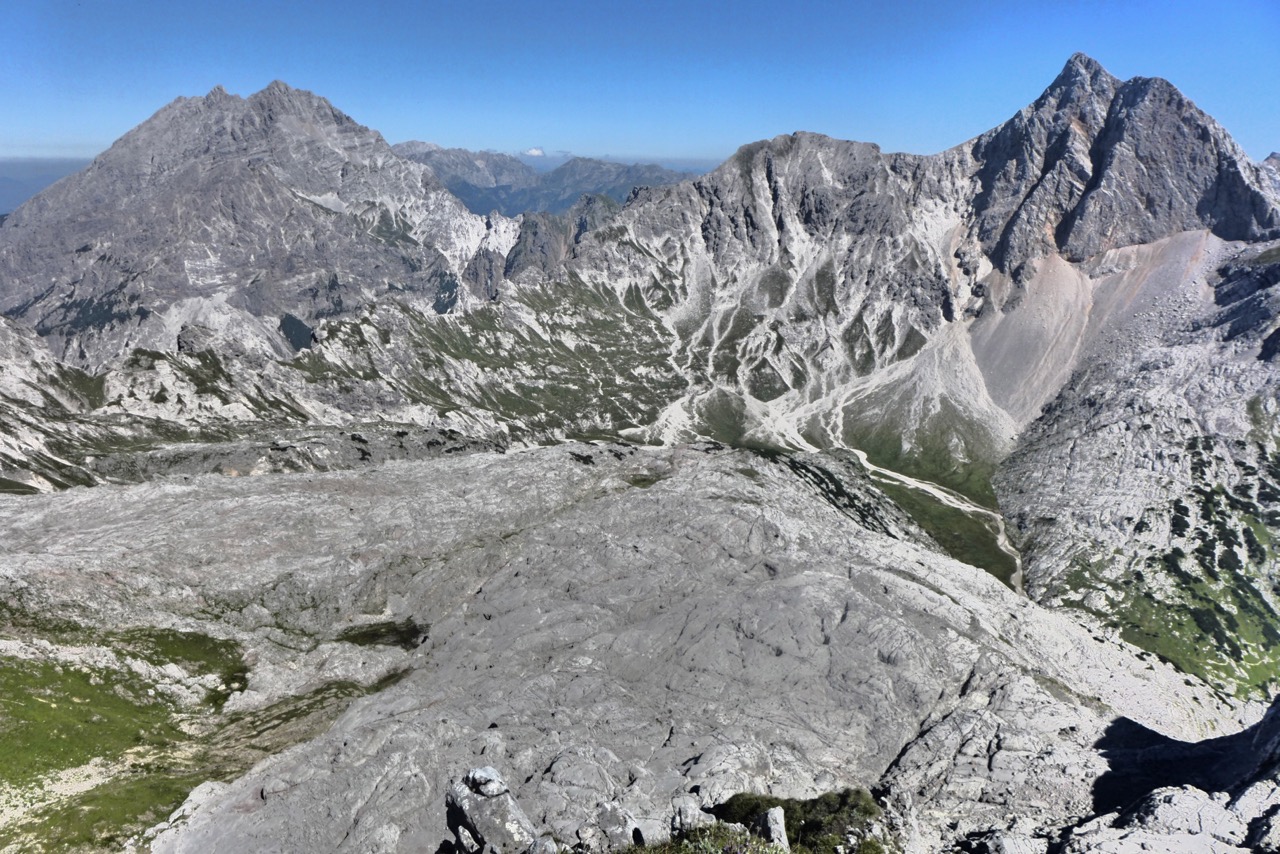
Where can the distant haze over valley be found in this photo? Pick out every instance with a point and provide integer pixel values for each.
(23, 177)
(486, 181)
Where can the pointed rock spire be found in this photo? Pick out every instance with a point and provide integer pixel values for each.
(1082, 66)
(1082, 84)
(1073, 172)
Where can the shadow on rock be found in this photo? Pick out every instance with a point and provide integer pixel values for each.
(1141, 760)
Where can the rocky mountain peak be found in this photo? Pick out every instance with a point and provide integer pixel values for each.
(1082, 79)
(279, 100)
(194, 203)
(278, 88)
(1096, 164)
(1081, 63)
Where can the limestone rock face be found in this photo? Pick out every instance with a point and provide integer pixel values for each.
(645, 633)
(546, 240)
(773, 828)
(45, 430)
(1110, 152)
(230, 213)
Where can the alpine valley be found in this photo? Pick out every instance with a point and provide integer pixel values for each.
(950, 483)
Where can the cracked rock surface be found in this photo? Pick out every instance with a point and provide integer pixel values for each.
(645, 629)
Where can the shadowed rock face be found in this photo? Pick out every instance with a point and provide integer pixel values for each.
(1097, 164)
(546, 240)
(1159, 793)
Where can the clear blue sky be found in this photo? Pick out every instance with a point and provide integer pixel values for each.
(654, 79)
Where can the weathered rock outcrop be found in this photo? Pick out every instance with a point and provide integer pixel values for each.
(485, 818)
(645, 628)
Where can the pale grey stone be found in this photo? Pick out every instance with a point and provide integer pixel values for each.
(773, 828)
(484, 815)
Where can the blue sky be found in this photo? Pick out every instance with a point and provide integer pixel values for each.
(651, 80)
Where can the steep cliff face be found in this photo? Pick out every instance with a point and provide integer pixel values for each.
(230, 214)
(1096, 164)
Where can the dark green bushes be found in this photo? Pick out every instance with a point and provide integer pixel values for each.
(813, 827)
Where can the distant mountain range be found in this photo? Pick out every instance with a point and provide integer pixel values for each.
(487, 181)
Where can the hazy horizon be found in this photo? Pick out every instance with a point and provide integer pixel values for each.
(24, 177)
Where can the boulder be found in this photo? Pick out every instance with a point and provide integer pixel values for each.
(484, 817)
(772, 827)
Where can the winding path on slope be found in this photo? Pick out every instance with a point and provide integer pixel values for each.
(951, 499)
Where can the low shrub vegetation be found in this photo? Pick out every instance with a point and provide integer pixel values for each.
(824, 825)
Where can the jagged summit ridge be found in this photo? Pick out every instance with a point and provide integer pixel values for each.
(233, 212)
(824, 292)
(1095, 164)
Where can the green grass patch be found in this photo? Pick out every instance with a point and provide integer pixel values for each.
(714, 839)
(107, 817)
(88, 387)
(1271, 256)
(1198, 610)
(406, 634)
(965, 536)
(931, 457)
(158, 780)
(644, 481)
(192, 651)
(1224, 632)
(15, 487)
(594, 371)
(54, 717)
(816, 826)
